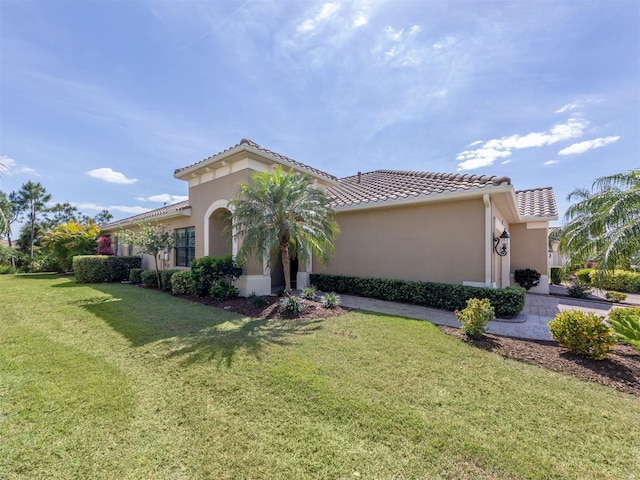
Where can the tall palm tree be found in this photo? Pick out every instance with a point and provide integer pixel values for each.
(283, 213)
(33, 197)
(604, 224)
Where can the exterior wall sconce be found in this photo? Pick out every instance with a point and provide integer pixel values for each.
(504, 238)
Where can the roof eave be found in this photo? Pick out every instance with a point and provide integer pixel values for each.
(185, 212)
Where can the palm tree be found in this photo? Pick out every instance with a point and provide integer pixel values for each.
(283, 213)
(604, 225)
(33, 197)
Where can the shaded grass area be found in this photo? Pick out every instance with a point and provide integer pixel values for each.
(114, 381)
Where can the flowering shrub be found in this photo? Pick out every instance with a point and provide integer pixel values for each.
(104, 246)
(583, 333)
(475, 316)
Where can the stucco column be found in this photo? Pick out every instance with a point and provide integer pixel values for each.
(302, 278)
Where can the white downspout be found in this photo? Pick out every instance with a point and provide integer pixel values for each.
(488, 229)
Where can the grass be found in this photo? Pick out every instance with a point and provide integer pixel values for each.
(113, 381)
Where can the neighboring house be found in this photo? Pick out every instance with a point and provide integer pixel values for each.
(555, 258)
(394, 224)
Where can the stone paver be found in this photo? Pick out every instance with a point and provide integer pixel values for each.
(530, 324)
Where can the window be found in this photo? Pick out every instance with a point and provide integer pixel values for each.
(185, 246)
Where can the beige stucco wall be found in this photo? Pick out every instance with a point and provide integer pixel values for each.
(528, 248)
(439, 242)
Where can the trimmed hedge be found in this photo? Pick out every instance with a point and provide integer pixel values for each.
(103, 268)
(508, 302)
(618, 280)
(149, 278)
(165, 278)
(557, 275)
(584, 275)
(135, 275)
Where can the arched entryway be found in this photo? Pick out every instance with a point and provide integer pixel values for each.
(218, 241)
(277, 273)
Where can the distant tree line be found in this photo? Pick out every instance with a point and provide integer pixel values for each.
(50, 235)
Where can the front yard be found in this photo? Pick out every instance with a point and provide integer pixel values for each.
(114, 381)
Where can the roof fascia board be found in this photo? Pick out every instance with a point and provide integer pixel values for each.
(186, 212)
(440, 197)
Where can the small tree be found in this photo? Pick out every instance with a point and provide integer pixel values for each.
(151, 239)
(33, 198)
(70, 239)
(104, 246)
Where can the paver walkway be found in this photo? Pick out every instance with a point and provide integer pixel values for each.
(530, 324)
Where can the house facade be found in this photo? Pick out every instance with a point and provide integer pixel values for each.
(393, 224)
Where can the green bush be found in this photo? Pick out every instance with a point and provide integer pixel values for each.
(508, 302)
(579, 289)
(475, 316)
(221, 290)
(165, 278)
(207, 271)
(103, 268)
(557, 275)
(584, 275)
(618, 280)
(331, 300)
(135, 275)
(527, 278)
(7, 270)
(149, 278)
(181, 282)
(309, 293)
(291, 305)
(625, 323)
(615, 297)
(257, 300)
(583, 333)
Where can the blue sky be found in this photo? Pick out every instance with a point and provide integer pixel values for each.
(101, 101)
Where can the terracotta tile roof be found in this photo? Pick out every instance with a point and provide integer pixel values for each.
(254, 145)
(384, 185)
(537, 202)
(150, 215)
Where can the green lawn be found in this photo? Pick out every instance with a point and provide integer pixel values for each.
(113, 381)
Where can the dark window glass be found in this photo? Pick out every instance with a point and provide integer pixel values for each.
(185, 246)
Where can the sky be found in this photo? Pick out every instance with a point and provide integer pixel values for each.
(100, 101)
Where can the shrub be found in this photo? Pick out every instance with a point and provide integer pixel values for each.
(181, 282)
(330, 300)
(527, 278)
(616, 297)
(584, 275)
(165, 278)
(557, 275)
(309, 293)
(221, 290)
(625, 323)
(291, 305)
(206, 271)
(583, 333)
(475, 316)
(135, 275)
(7, 270)
(579, 289)
(508, 302)
(103, 268)
(257, 300)
(618, 280)
(149, 278)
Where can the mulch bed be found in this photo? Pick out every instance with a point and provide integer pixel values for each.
(621, 371)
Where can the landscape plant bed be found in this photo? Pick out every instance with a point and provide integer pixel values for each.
(621, 371)
(312, 309)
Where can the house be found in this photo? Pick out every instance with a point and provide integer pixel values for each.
(394, 224)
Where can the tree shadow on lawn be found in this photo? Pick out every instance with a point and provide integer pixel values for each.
(197, 332)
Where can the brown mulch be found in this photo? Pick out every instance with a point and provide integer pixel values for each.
(621, 371)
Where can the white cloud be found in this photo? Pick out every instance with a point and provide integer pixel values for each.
(327, 12)
(360, 20)
(108, 175)
(164, 198)
(551, 162)
(568, 107)
(9, 166)
(132, 210)
(394, 34)
(582, 147)
(496, 148)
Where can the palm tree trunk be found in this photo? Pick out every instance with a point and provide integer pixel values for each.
(33, 223)
(284, 250)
